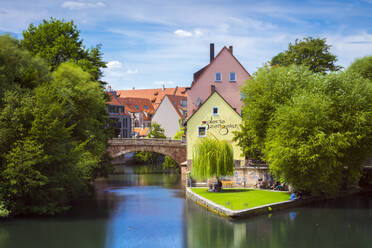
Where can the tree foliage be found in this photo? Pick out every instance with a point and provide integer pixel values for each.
(314, 131)
(212, 157)
(314, 53)
(362, 66)
(52, 133)
(268, 89)
(58, 42)
(156, 131)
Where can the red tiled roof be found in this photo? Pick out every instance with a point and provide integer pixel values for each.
(114, 100)
(176, 102)
(142, 132)
(154, 95)
(136, 105)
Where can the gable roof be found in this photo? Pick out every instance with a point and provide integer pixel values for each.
(154, 95)
(176, 102)
(199, 73)
(136, 105)
(113, 100)
(206, 100)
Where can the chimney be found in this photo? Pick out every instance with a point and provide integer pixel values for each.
(109, 88)
(133, 88)
(163, 87)
(213, 89)
(231, 49)
(211, 51)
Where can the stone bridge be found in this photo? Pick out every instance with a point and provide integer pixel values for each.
(175, 149)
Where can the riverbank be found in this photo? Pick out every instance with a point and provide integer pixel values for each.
(256, 210)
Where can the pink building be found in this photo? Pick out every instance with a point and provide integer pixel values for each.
(225, 74)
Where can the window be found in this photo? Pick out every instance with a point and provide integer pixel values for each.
(215, 111)
(202, 131)
(136, 106)
(218, 77)
(232, 77)
(198, 101)
(145, 106)
(184, 103)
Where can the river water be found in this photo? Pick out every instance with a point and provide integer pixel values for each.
(151, 211)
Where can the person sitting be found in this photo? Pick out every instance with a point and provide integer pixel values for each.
(276, 184)
(210, 188)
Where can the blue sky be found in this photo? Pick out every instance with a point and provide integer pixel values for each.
(148, 43)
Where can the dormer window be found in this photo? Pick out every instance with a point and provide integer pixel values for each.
(136, 106)
(232, 77)
(145, 106)
(215, 111)
(218, 77)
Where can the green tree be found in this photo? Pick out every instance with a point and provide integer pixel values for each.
(18, 68)
(314, 53)
(362, 66)
(314, 130)
(268, 89)
(156, 131)
(319, 140)
(59, 41)
(212, 158)
(52, 133)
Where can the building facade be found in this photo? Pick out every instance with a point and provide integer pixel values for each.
(225, 73)
(170, 114)
(119, 120)
(215, 118)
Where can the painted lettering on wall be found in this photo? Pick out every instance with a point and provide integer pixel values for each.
(222, 126)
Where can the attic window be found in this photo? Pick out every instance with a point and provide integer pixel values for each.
(156, 93)
(145, 106)
(202, 131)
(218, 77)
(136, 106)
(215, 111)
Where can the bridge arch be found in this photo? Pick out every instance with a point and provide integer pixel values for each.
(172, 148)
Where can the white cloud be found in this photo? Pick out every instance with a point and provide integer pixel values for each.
(198, 32)
(182, 33)
(72, 5)
(349, 47)
(132, 71)
(114, 64)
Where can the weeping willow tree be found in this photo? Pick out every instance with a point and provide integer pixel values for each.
(212, 157)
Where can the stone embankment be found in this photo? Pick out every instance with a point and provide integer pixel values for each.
(264, 209)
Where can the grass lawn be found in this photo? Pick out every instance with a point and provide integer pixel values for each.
(238, 199)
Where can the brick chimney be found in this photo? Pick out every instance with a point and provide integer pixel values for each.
(231, 49)
(213, 89)
(211, 46)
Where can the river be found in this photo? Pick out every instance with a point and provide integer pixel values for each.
(151, 211)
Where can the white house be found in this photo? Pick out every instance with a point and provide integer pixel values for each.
(170, 113)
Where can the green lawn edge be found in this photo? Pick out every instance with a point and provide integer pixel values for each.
(243, 198)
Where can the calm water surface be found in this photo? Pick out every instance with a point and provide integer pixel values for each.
(151, 211)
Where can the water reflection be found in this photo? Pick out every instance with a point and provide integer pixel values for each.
(151, 211)
(340, 223)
